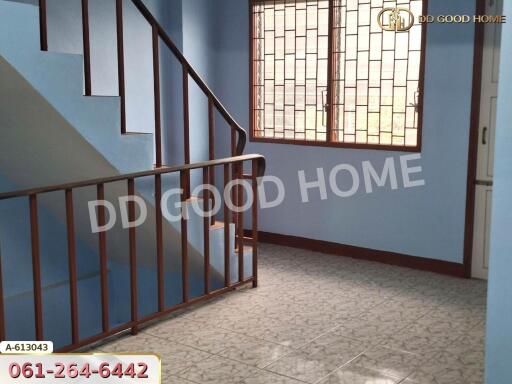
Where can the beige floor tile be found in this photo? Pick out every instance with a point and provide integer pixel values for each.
(318, 358)
(176, 380)
(258, 353)
(264, 377)
(218, 370)
(357, 375)
(175, 357)
(393, 363)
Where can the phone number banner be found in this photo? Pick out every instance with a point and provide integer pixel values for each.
(80, 368)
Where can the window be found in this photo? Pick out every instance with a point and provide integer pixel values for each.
(324, 72)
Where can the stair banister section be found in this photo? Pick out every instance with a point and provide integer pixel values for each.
(230, 166)
(239, 135)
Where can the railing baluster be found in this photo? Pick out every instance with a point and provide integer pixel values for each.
(87, 47)
(156, 87)
(43, 26)
(186, 125)
(255, 224)
(159, 242)
(73, 291)
(240, 222)
(206, 231)
(227, 223)
(234, 194)
(36, 267)
(184, 238)
(211, 147)
(133, 257)
(211, 129)
(233, 142)
(120, 62)
(102, 242)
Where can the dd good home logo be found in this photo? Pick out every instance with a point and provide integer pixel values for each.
(395, 19)
(402, 19)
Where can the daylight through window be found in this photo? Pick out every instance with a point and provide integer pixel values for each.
(325, 72)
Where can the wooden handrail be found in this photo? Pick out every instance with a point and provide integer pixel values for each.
(159, 171)
(242, 134)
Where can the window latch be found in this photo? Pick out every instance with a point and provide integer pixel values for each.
(416, 103)
(325, 109)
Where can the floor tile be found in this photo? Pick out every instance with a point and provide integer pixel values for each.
(319, 358)
(421, 339)
(393, 363)
(175, 357)
(443, 375)
(265, 377)
(447, 367)
(258, 353)
(357, 375)
(370, 328)
(218, 370)
(176, 380)
(197, 335)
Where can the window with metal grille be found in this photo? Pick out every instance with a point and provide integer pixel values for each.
(326, 72)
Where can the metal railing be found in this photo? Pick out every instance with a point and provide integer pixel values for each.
(207, 167)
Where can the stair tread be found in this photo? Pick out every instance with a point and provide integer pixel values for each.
(218, 225)
(247, 248)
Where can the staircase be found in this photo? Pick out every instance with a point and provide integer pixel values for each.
(59, 281)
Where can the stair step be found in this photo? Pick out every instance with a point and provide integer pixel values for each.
(247, 249)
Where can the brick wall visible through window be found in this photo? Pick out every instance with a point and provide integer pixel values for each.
(325, 73)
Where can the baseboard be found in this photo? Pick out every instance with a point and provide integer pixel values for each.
(393, 258)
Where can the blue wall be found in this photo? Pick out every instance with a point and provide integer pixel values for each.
(65, 35)
(499, 312)
(198, 34)
(197, 46)
(426, 221)
(187, 23)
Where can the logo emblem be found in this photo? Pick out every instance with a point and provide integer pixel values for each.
(395, 19)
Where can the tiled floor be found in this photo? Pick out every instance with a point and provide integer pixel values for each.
(326, 319)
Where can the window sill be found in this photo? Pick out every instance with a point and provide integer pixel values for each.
(331, 144)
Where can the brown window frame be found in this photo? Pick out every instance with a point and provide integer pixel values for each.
(330, 142)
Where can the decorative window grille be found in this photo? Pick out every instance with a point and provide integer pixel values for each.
(326, 73)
